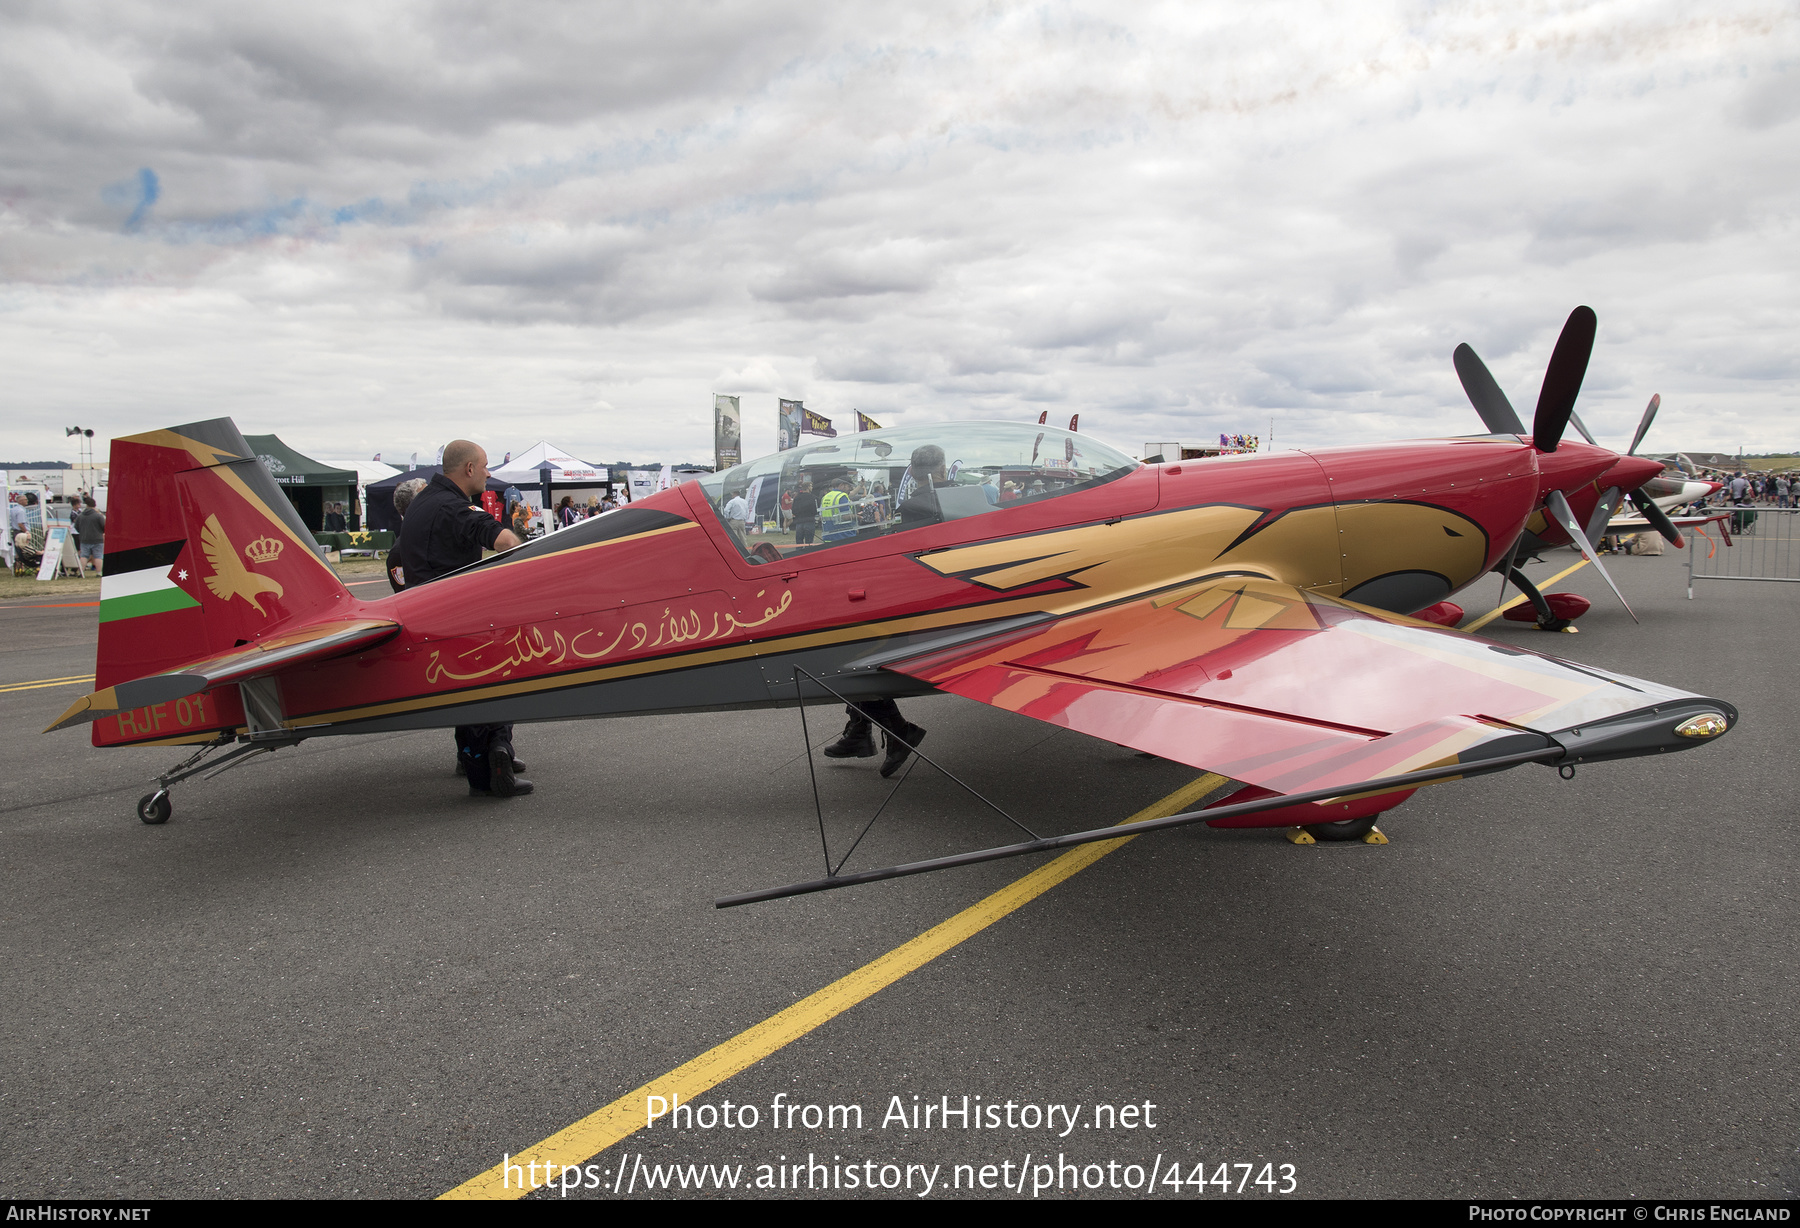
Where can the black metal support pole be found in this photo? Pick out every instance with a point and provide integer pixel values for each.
(860, 711)
(811, 772)
(1408, 780)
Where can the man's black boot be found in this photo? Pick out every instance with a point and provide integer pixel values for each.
(500, 768)
(462, 766)
(858, 741)
(898, 751)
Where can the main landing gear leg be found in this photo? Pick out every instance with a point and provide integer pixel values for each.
(154, 808)
(1546, 620)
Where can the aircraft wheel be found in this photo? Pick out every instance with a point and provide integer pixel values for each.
(154, 807)
(1343, 829)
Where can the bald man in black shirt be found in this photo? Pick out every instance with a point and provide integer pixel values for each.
(443, 531)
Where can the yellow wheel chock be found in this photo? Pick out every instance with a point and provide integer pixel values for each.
(1299, 835)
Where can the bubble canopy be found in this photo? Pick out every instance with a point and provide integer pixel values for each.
(854, 487)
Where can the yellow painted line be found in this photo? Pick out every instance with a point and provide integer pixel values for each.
(624, 1117)
(40, 683)
(1498, 610)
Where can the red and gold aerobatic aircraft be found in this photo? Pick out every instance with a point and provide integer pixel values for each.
(1249, 614)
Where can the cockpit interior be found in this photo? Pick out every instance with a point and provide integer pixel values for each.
(854, 487)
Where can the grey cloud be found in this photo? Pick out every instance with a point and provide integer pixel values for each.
(1109, 328)
(886, 268)
(1005, 386)
(1176, 220)
(1143, 400)
(540, 259)
(1310, 373)
(873, 367)
(1770, 99)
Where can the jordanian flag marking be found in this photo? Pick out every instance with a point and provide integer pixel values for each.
(136, 593)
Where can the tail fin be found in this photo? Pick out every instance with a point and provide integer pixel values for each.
(203, 554)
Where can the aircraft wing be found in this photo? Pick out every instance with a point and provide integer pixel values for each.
(319, 642)
(1294, 691)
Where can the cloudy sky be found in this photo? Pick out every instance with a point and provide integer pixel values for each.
(376, 226)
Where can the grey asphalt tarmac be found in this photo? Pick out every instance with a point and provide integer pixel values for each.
(334, 974)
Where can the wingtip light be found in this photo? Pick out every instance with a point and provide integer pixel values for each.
(1706, 725)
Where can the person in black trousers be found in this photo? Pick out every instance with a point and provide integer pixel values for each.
(926, 469)
(444, 529)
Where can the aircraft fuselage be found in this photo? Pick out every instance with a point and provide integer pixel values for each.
(674, 617)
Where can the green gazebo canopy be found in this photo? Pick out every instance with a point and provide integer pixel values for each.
(290, 468)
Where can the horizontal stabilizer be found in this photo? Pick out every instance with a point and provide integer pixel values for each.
(319, 642)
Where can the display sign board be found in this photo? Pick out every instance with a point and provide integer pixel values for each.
(55, 538)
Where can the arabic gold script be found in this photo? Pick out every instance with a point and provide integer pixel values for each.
(531, 645)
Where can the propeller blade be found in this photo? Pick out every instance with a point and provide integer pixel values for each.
(1512, 560)
(1497, 413)
(1644, 423)
(1603, 512)
(1562, 379)
(1581, 429)
(1564, 515)
(1658, 518)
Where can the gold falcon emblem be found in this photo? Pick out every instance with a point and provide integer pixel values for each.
(231, 578)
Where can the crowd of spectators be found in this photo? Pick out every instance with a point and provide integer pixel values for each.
(525, 522)
(1741, 489)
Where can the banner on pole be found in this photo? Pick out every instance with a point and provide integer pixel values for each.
(797, 420)
(866, 423)
(728, 433)
(1073, 419)
(790, 424)
(1044, 418)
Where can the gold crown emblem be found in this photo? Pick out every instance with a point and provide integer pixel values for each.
(263, 550)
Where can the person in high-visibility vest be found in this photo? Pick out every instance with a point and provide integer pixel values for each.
(837, 512)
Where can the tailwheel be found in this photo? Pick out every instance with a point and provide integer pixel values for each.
(154, 807)
(1343, 829)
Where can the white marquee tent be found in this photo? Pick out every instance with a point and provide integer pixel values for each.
(368, 472)
(567, 470)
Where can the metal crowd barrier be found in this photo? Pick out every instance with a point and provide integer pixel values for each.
(1761, 543)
